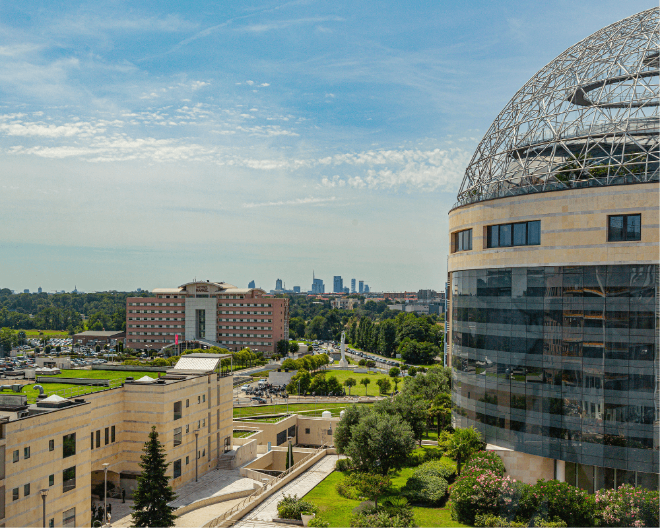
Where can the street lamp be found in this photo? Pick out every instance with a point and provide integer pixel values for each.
(44, 493)
(105, 493)
(196, 431)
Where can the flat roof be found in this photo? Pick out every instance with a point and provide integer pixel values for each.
(100, 333)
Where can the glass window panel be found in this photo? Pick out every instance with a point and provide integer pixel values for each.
(586, 478)
(520, 234)
(534, 233)
(493, 236)
(624, 477)
(69, 445)
(615, 229)
(648, 480)
(505, 235)
(634, 227)
(469, 239)
(571, 473)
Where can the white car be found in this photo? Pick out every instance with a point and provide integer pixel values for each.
(245, 387)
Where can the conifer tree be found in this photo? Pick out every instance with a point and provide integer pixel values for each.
(153, 492)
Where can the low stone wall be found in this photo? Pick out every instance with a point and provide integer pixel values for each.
(213, 500)
(75, 381)
(245, 453)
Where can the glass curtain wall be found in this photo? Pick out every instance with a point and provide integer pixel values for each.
(560, 362)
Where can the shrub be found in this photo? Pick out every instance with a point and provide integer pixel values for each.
(438, 468)
(346, 488)
(627, 506)
(343, 465)
(483, 461)
(488, 520)
(558, 500)
(291, 507)
(384, 518)
(318, 523)
(477, 493)
(427, 489)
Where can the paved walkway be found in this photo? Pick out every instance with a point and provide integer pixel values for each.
(302, 485)
(211, 484)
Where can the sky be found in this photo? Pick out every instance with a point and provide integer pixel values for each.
(146, 144)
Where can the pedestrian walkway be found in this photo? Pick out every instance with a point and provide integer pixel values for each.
(211, 484)
(300, 486)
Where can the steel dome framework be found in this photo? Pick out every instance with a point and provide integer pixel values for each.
(589, 118)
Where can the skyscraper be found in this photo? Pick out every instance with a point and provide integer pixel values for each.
(251, 284)
(317, 285)
(39, 290)
(366, 288)
(361, 287)
(296, 289)
(352, 285)
(338, 286)
(278, 285)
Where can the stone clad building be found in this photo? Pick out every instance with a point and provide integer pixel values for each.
(214, 312)
(60, 445)
(553, 271)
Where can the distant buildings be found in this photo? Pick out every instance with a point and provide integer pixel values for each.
(278, 285)
(338, 284)
(317, 286)
(39, 290)
(361, 287)
(214, 312)
(352, 285)
(366, 288)
(344, 303)
(296, 289)
(251, 284)
(26, 291)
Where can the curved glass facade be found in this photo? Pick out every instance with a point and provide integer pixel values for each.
(560, 362)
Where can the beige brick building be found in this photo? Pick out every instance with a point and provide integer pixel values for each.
(61, 446)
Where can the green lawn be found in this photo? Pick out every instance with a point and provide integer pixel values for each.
(337, 510)
(242, 434)
(46, 333)
(68, 390)
(302, 408)
(359, 390)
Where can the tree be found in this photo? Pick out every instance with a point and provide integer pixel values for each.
(463, 444)
(411, 409)
(394, 374)
(153, 491)
(343, 435)
(8, 339)
(294, 346)
(305, 380)
(98, 348)
(365, 382)
(441, 410)
(384, 385)
(283, 347)
(387, 338)
(371, 363)
(372, 485)
(350, 382)
(379, 442)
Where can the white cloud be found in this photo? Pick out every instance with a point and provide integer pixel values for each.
(297, 201)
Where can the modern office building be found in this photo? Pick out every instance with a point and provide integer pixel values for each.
(553, 315)
(279, 285)
(361, 287)
(353, 286)
(338, 284)
(296, 289)
(317, 285)
(215, 312)
(251, 284)
(59, 445)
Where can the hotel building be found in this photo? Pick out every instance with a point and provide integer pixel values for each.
(553, 270)
(214, 312)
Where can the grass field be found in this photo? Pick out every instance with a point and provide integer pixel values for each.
(68, 390)
(337, 511)
(242, 434)
(359, 390)
(302, 408)
(46, 333)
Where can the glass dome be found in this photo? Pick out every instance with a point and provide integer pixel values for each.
(587, 119)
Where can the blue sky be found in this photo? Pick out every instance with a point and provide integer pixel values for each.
(145, 144)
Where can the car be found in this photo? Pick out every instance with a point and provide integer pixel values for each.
(245, 387)
(259, 401)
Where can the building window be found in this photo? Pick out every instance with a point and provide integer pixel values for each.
(16, 455)
(14, 494)
(187, 403)
(307, 430)
(26, 490)
(187, 460)
(624, 228)
(112, 434)
(68, 445)
(177, 468)
(463, 240)
(51, 523)
(177, 410)
(107, 435)
(98, 438)
(26, 452)
(177, 436)
(69, 479)
(188, 428)
(518, 234)
(51, 445)
(51, 480)
(69, 517)
(92, 439)
(199, 399)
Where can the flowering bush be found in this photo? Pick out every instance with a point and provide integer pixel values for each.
(484, 492)
(485, 460)
(553, 499)
(291, 507)
(627, 506)
(384, 518)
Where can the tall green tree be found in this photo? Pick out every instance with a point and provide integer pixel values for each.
(463, 444)
(153, 491)
(365, 382)
(387, 338)
(394, 374)
(349, 382)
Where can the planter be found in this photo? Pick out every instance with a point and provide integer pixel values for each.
(307, 518)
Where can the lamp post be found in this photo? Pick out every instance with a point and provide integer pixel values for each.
(44, 493)
(105, 493)
(196, 431)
